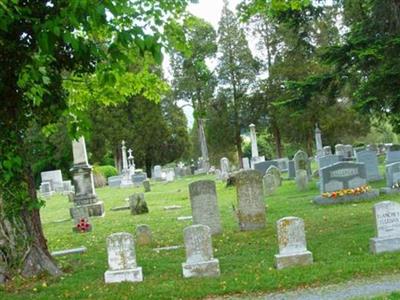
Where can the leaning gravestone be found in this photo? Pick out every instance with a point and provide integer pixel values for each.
(292, 244)
(344, 182)
(81, 220)
(291, 170)
(250, 202)
(392, 179)
(387, 222)
(122, 259)
(146, 186)
(393, 154)
(269, 184)
(276, 173)
(137, 204)
(199, 253)
(302, 180)
(203, 200)
(370, 160)
(143, 235)
(263, 166)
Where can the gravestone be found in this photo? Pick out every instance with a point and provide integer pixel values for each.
(203, 200)
(328, 160)
(85, 194)
(263, 166)
(327, 150)
(157, 172)
(137, 204)
(170, 175)
(387, 224)
(146, 185)
(339, 150)
(81, 220)
(138, 177)
(283, 164)
(199, 253)
(269, 184)
(292, 244)
(291, 170)
(114, 181)
(302, 180)
(250, 202)
(276, 173)
(122, 259)
(45, 189)
(67, 187)
(392, 179)
(246, 163)
(370, 160)
(348, 152)
(55, 178)
(301, 162)
(344, 176)
(318, 141)
(143, 235)
(224, 168)
(392, 154)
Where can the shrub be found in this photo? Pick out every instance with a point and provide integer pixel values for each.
(105, 171)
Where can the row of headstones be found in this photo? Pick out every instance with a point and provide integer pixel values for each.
(200, 261)
(52, 182)
(135, 179)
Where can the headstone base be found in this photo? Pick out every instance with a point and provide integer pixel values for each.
(348, 198)
(95, 209)
(374, 178)
(380, 245)
(130, 275)
(201, 269)
(387, 190)
(298, 259)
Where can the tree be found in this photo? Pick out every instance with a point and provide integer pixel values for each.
(237, 70)
(55, 56)
(193, 82)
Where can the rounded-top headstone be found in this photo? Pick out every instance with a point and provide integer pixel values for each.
(203, 200)
(250, 200)
(143, 235)
(291, 235)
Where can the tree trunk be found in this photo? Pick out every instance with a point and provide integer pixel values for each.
(278, 140)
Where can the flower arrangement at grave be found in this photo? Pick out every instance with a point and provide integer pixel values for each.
(83, 226)
(345, 192)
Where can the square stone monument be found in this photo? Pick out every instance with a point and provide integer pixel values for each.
(370, 159)
(392, 179)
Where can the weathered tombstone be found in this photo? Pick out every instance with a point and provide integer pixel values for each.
(339, 150)
(392, 179)
(348, 152)
(393, 154)
(55, 177)
(370, 160)
(255, 158)
(199, 253)
(143, 235)
(276, 173)
(45, 189)
(85, 194)
(292, 244)
(250, 202)
(203, 200)
(269, 184)
(263, 166)
(302, 180)
(327, 150)
(301, 162)
(318, 141)
(345, 182)
(224, 168)
(126, 180)
(137, 204)
(138, 177)
(283, 164)
(81, 220)
(387, 223)
(114, 181)
(291, 170)
(122, 259)
(146, 185)
(246, 163)
(157, 172)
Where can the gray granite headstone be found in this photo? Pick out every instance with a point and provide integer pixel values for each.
(387, 222)
(199, 253)
(45, 189)
(393, 154)
(122, 259)
(276, 173)
(250, 202)
(203, 200)
(328, 160)
(225, 169)
(269, 184)
(302, 180)
(301, 162)
(263, 166)
(114, 181)
(392, 179)
(157, 172)
(370, 160)
(246, 163)
(55, 177)
(327, 150)
(292, 243)
(283, 164)
(291, 170)
(340, 150)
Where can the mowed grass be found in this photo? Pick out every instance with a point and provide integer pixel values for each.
(338, 237)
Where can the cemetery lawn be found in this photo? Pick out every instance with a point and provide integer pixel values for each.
(338, 236)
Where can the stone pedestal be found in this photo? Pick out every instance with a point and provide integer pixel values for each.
(132, 275)
(204, 269)
(297, 259)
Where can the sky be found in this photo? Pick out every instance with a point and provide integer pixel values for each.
(209, 10)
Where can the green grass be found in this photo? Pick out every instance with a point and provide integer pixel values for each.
(337, 235)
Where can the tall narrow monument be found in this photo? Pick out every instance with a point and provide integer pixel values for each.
(254, 148)
(205, 166)
(126, 180)
(318, 141)
(85, 194)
